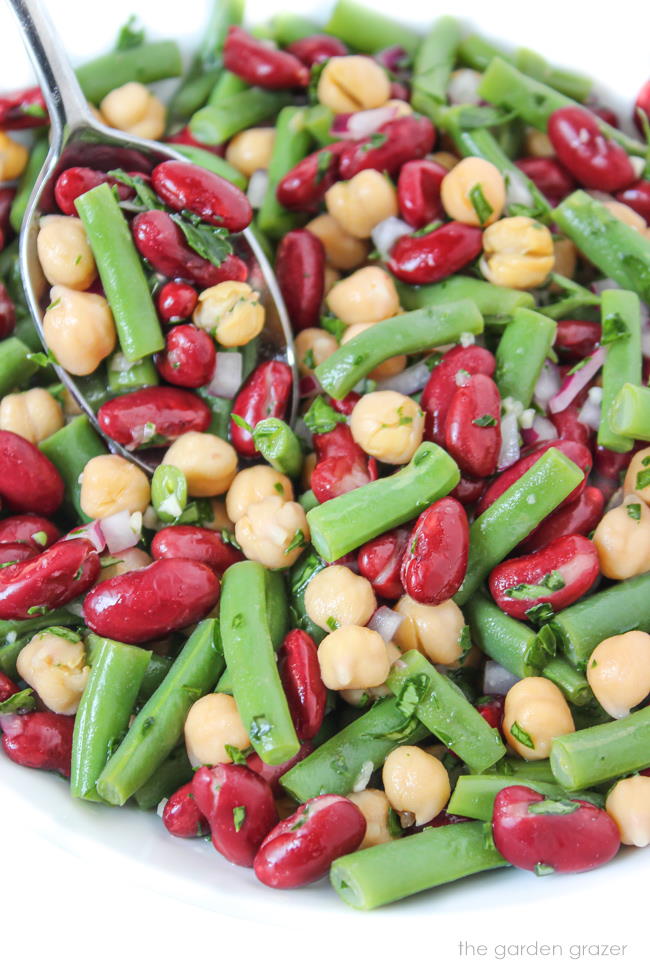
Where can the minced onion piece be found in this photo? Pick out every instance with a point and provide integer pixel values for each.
(363, 778)
(547, 385)
(463, 87)
(541, 429)
(93, 532)
(604, 284)
(574, 383)
(358, 125)
(590, 414)
(496, 679)
(120, 531)
(386, 622)
(410, 381)
(517, 191)
(309, 386)
(227, 375)
(257, 187)
(509, 452)
(171, 506)
(387, 232)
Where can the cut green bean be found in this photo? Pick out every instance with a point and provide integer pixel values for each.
(474, 795)
(604, 752)
(124, 376)
(291, 145)
(16, 369)
(70, 449)
(629, 413)
(300, 575)
(308, 500)
(577, 300)
(497, 305)
(434, 63)
(537, 770)
(621, 321)
(289, 27)
(214, 163)
(168, 492)
(157, 669)
(318, 122)
(37, 156)
(364, 29)
(525, 345)
(224, 684)
(507, 641)
(571, 681)
(228, 84)
(279, 446)
(174, 772)
(215, 124)
(145, 63)
(9, 656)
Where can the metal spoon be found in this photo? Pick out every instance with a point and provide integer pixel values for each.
(78, 139)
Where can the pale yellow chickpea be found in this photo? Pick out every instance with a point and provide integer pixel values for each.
(362, 202)
(343, 251)
(622, 539)
(308, 466)
(212, 723)
(400, 107)
(535, 710)
(353, 658)
(473, 175)
(110, 484)
(64, 252)
(79, 329)
(330, 277)
(337, 596)
(390, 367)
(416, 782)
(517, 253)
(34, 414)
(251, 150)
(368, 295)
(273, 532)
(313, 346)
(633, 484)
(253, 484)
(70, 405)
(360, 697)
(565, 257)
(208, 463)
(619, 672)
(538, 144)
(352, 83)
(376, 810)
(388, 426)
(13, 158)
(446, 159)
(219, 520)
(133, 108)
(127, 561)
(626, 215)
(55, 667)
(629, 806)
(231, 311)
(435, 631)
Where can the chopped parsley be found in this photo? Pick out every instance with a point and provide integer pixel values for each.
(521, 736)
(129, 36)
(487, 420)
(236, 755)
(543, 869)
(332, 623)
(482, 208)
(334, 326)
(211, 243)
(238, 817)
(321, 417)
(309, 360)
(241, 422)
(643, 479)
(298, 541)
(553, 807)
(614, 328)
(633, 511)
(323, 162)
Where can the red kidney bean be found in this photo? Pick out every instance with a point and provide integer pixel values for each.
(184, 137)
(637, 196)
(260, 65)
(171, 411)
(473, 440)
(11, 552)
(595, 161)
(606, 114)
(23, 109)
(565, 835)
(266, 392)
(28, 480)
(444, 382)
(149, 603)
(273, 773)
(577, 518)
(394, 59)
(304, 187)
(435, 559)
(405, 138)
(549, 176)
(400, 91)
(7, 688)
(345, 405)
(609, 463)
(39, 740)
(189, 357)
(7, 312)
(176, 301)
(436, 255)
(300, 673)
(491, 708)
(301, 257)
(380, 562)
(184, 186)
(48, 580)
(418, 192)
(570, 427)
(575, 339)
(239, 807)
(198, 544)
(301, 849)
(316, 48)
(78, 180)
(442, 819)
(469, 489)
(642, 105)
(24, 528)
(181, 815)
(342, 464)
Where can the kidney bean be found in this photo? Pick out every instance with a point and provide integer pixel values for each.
(469, 489)
(569, 426)
(400, 90)
(11, 552)
(443, 818)
(239, 807)
(260, 65)
(345, 405)
(171, 411)
(304, 187)
(184, 186)
(342, 465)
(606, 114)
(161, 242)
(47, 580)
(300, 673)
(149, 603)
(575, 339)
(473, 440)
(444, 382)
(380, 562)
(436, 255)
(610, 464)
(198, 544)
(266, 392)
(490, 708)
(595, 161)
(435, 559)
(28, 480)
(395, 59)
(24, 109)
(565, 835)
(418, 192)
(39, 740)
(7, 197)
(273, 773)
(176, 301)
(301, 849)
(316, 48)
(549, 176)
(405, 138)
(577, 518)
(301, 257)
(184, 137)
(642, 104)
(77, 180)
(7, 687)
(24, 528)
(637, 196)
(181, 815)
(189, 357)
(7, 312)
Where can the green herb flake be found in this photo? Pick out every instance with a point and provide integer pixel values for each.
(332, 623)
(298, 541)
(6, 565)
(38, 610)
(129, 35)
(394, 827)
(614, 328)
(241, 422)
(238, 817)
(633, 511)
(578, 366)
(34, 111)
(334, 326)
(321, 417)
(308, 359)
(521, 736)
(540, 614)
(236, 755)
(40, 538)
(554, 581)
(643, 479)
(553, 807)
(411, 693)
(63, 632)
(145, 198)
(543, 869)
(482, 208)
(211, 243)
(487, 420)
(323, 161)
(465, 642)
(21, 701)
(428, 229)
(376, 141)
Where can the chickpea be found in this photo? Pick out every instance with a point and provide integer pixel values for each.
(368, 295)
(251, 150)
(273, 532)
(388, 426)
(232, 311)
(337, 596)
(212, 723)
(639, 463)
(473, 175)
(79, 329)
(626, 215)
(360, 697)
(416, 782)
(13, 158)
(390, 367)
(619, 672)
(518, 253)
(629, 806)
(110, 484)
(376, 811)
(362, 202)
(353, 658)
(208, 463)
(446, 159)
(55, 666)
(308, 466)
(352, 83)
(133, 108)
(402, 108)
(254, 484)
(219, 520)
(537, 710)
(330, 277)
(343, 251)
(435, 631)
(538, 144)
(126, 561)
(623, 539)
(70, 405)
(313, 346)
(565, 257)
(64, 252)
(34, 414)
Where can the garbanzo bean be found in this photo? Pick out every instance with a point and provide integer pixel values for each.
(219, 520)
(622, 539)
(361, 696)
(13, 158)
(473, 176)
(376, 811)
(435, 631)
(565, 257)
(337, 596)
(343, 251)
(254, 484)
(110, 484)
(517, 253)
(446, 159)
(619, 672)
(629, 806)
(251, 150)
(538, 144)
(330, 277)
(352, 83)
(34, 414)
(212, 723)
(308, 465)
(208, 463)
(55, 667)
(353, 658)
(632, 483)
(79, 329)
(416, 782)
(368, 295)
(64, 252)
(126, 561)
(273, 532)
(362, 202)
(535, 712)
(313, 346)
(390, 367)
(232, 311)
(626, 215)
(388, 426)
(133, 108)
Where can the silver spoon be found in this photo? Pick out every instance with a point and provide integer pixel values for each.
(78, 139)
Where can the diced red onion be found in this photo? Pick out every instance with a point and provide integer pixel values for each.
(392, 58)
(257, 187)
(386, 622)
(541, 429)
(590, 414)
(387, 232)
(358, 125)
(509, 452)
(604, 284)
(227, 375)
(93, 532)
(496, 679)
(463, 87)
(573, 384)
(547, 385)
(517, 190)
(412, 380)
(309, 386)
(119, 531)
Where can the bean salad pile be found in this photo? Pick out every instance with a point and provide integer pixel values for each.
(391, 622)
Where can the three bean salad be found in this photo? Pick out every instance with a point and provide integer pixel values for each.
(390, 622)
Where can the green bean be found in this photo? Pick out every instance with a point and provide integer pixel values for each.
(577, 299)
(364, 29)
(572, 682)
(16, 633)
(124, 376)
(289, 27)
(308, 500)
(157, 669)
(434, 63)
(9, 656)
(497, 305)
(16, 369)
(629, 412)
(25, 331)
(145, 63)
(37, 156)
(511, 643)
(291, 145)
(168, 492)
(621, 320)
(70, 449)
(537, 770)
(224, 684)
(215, 124)
(227, 84)
(318, 122)
(604, 752)
(94, 388)
(525, 344)
(174, 772)
(212, 162)
(474, 795)
(300, 575)
(279, 446)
